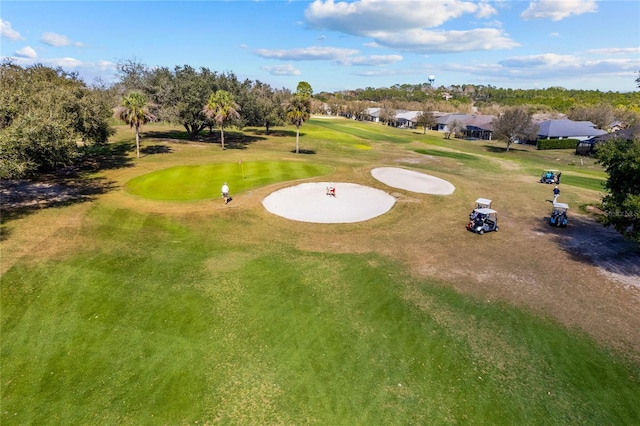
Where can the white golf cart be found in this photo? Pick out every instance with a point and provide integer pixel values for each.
(484, 220)
(483, 203)
(559, 215)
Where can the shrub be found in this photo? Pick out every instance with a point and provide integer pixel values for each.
(557, 143)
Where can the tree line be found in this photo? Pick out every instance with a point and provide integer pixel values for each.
(48, 115)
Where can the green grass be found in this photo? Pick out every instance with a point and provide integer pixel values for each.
(595, 184)
(363, 132)
(183, 315)
(448, 154)
(168, 323)
(200, 182)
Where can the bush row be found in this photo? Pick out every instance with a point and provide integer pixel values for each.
(557, 143)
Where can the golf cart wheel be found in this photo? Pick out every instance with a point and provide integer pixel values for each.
(481, 231)
(497, 229)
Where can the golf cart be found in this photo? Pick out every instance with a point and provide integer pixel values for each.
(559, 215)
(483, 203)
(550, 177)
(484, 220)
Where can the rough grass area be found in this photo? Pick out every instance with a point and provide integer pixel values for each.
(120, 309)
(168, 322)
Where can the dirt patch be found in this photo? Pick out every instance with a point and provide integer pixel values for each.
(616, 257)
(26, 194)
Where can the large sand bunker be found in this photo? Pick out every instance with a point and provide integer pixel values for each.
(309, 202)
(412, 181)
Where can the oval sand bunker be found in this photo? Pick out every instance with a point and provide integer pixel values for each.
(309, 202)
(412, 181)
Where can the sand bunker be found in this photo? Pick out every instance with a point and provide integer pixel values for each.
(309, 202)
(412, 181)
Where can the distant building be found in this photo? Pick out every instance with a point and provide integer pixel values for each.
(589, 146)
(568, 129)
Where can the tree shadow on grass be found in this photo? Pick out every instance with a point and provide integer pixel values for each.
(232, 140)
(589, 242)
(174, 135)
(23, 197)
(155, 149)
(303, 151)
(491, 148)
(102, 157)
(278, 133)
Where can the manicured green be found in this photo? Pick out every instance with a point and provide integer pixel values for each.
(200, 182)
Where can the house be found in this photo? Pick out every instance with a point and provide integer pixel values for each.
(373, 114)
(445, 122)
(589, 146)
(479, 127)
(406, 119)
(568, 129)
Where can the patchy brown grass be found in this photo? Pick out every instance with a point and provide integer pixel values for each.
(584, 276)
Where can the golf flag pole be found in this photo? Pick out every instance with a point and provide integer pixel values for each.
(241, 167)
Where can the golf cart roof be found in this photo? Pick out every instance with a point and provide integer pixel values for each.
(485, 211)
(564, 206)
(551, 170)
(483, 201)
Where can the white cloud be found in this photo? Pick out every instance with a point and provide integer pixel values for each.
(86, 70)
(404, 24)
(58, 40)
(286, 69)
(7, 32)
(557, 10)
(616, 51)
(364, 16)
(26, 52)
(373, 60)
(424, 41)
(306, 53)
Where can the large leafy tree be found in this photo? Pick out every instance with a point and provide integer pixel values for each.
(261, 105)
(222, 109)
(427, 120)
(176, 95)
(513, 125)
(621, 204)
(44, 113)
(135, 112)
(602, 115)
(299, 109)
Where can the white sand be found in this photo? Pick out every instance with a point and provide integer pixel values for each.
(412, 181)
(308, 202)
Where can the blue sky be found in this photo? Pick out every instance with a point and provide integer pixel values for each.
(340, 45)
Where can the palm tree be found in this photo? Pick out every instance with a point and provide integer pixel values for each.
(221, 108)
(298, 112)
(135, 113)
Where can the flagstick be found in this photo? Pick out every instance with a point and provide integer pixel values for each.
(242, 167)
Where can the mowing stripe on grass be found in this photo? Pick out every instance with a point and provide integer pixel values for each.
(201, 182)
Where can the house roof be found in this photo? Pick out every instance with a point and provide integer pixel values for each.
(484, 122)
(568, 128)
(626, 134)
(450, 118)
(407, 115)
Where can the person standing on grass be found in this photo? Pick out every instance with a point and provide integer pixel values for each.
(225, 192)
(556, 192)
